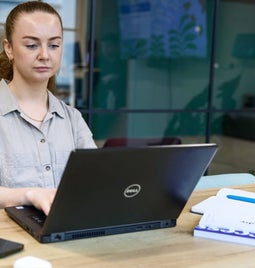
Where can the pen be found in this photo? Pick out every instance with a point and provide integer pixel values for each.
(241, 198)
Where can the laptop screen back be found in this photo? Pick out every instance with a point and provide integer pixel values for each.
(122, 186)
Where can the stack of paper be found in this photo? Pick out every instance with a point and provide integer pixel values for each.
(228, 216)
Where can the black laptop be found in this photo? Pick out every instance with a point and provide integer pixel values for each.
(118, 190)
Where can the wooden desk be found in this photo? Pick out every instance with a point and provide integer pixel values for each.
(171, 247)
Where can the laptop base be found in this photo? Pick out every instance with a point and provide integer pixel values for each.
(135, 189)
(80, 234)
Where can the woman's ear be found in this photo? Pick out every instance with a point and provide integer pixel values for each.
(8, 49)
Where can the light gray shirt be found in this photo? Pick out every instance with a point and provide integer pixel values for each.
(33, 157)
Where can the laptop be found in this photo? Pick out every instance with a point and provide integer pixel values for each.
(118, 190)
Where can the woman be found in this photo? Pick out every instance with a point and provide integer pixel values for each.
(37, 131)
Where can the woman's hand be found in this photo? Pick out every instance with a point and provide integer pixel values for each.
(41, 198)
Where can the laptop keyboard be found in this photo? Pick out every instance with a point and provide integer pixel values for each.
(39, 218)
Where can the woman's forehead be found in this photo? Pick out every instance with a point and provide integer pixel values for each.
(39, 23)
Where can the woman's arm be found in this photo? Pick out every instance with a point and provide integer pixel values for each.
(41, 198)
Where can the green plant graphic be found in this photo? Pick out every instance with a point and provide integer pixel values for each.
(135, 48)
(182, 40)
(157, 46)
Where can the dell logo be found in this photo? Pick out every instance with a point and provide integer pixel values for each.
(132, 190)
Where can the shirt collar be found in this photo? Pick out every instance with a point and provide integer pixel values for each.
(8, 102)
(55, 105)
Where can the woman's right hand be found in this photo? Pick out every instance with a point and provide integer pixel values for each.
(41, 198)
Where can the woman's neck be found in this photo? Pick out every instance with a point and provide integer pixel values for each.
(32, 101)
(28, 92)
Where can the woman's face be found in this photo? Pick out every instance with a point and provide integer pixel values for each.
(36, 47)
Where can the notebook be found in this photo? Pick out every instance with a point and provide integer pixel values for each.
(118, 190)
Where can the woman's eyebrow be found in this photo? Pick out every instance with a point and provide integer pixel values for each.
(37, 39)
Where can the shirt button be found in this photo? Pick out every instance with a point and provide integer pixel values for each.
(47, 168)
(42, 140)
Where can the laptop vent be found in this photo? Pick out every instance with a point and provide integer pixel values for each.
(87, 234)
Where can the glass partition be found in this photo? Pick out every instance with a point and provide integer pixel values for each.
(153, 56)
(162, 68)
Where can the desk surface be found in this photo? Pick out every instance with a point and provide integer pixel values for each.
(171, 247)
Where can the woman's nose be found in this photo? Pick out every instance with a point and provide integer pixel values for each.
(43, 53)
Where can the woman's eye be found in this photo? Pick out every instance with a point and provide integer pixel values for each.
(53, 46)
(32, 46)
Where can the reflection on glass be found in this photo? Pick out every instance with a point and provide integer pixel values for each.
(186, 124)
(162, 29)
(110, 82)
(165, 41)
(152, 55)
(149, 125)
(235, 62)
(236, 143)
(109, 125)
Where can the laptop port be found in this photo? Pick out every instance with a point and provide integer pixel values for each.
(57, 237)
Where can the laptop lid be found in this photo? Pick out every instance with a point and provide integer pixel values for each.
(119, 190)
